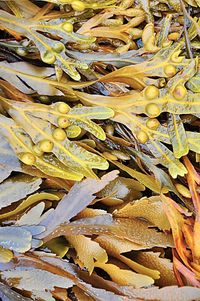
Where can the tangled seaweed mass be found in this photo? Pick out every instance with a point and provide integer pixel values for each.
(99, 150)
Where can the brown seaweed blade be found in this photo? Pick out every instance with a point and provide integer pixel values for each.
(99, 150)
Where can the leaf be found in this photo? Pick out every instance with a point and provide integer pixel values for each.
(127, 109)
(136, 103)
(124, 277)
(153, 67)
(76, 116)
(115, 59)
(45, 281)
(93, 292)
(193, 83)
(47, 47)
(167, 159)
(153, 260)
(136, 231)
(17, 188)
(139, 232)
(70, 154)
(57, 27)
(67, 152)
(5, 255)
(148, 208)
(193, 179)
(39, 282)
(145, 4)
(21, 143)
(87, 251)
(58, 246)
(27, 8)
(164, 182)
(15, 238)
(167, 293)
(80, 196)
(131, 105)
(33, 216)
(178, 136)
(148, 38)
(146, 180)
(28, 78)
(7, 294)
(22, 72)
(102, 294)
(85, 226)
(98, 5)
(80, 117)
(193, 140)
(175, 216)
(175, 4)
(115, 247)
(12, 92)
(184, 272)
(8, 160)
(135, 124)
(163, 34)
(121, 189)
(32, 199)
(116, 32)
(81, 295)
